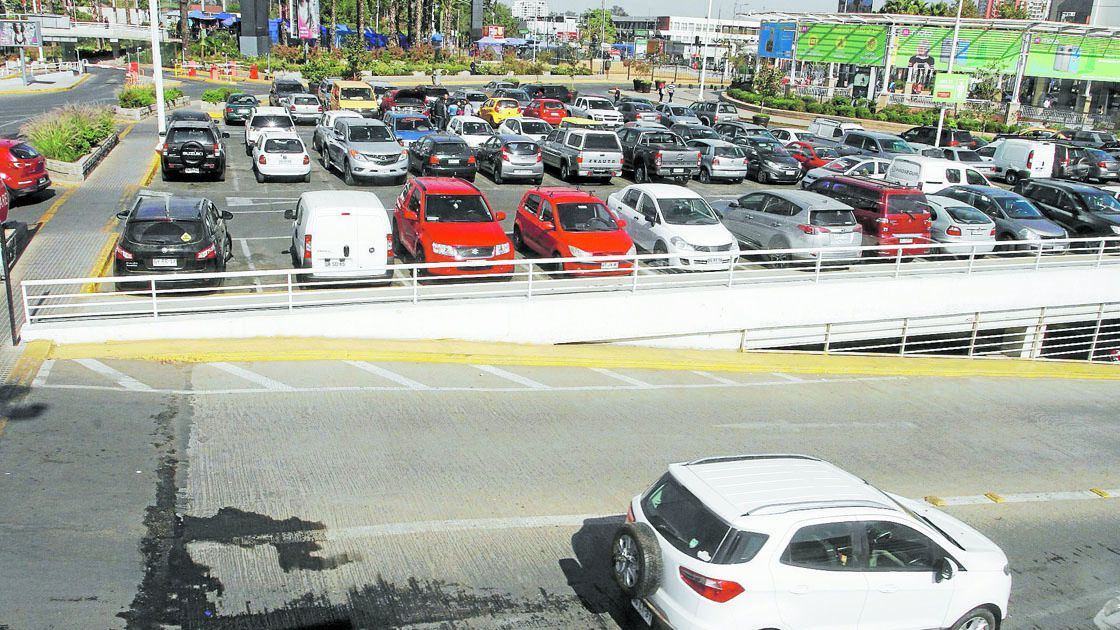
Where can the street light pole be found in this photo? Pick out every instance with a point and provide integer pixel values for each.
(703, 57)
(157, 65)
(952, 58)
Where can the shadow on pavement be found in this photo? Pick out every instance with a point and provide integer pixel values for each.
(589, 572)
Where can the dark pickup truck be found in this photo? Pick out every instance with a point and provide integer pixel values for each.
(657, 153)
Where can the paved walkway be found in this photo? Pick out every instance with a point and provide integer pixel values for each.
(50, 82)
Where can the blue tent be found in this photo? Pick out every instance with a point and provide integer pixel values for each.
(199, 15)
(224, 16)
(274, 29)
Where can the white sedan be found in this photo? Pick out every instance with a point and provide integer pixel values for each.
(962, 229)
(472, 129)
(875, 168)
(677, 223)
(281, 155)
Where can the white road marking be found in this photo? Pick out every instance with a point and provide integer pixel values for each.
(233, 202)
(797, 426)
(388, 374)
(718, 379)
(510, 376)
(1027, 497)
(622, 377)
(256, 211)
(121, 378)
(264, 238)
(44, 372)
(249, 262)
(251, 376)
(789, 377)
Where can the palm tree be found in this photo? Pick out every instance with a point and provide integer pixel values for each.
(360, 18)
(904, 7)
(334, 23)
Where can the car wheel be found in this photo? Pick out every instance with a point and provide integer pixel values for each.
(497, 171)
(164, 175)
(976, 619)
(705, 176)
(418, 258)
(763, 177)
(641, 176)
(307, 178)
(400, 180)
(1001, 242)
(661, 250)
(778, 260)
(325, 160)
(636, 560)
(315, 145)
(518, 242)
(221, 176)
(1011, 178)
(348, 175)
(259, 175)
(248, 150)
(398, 247)
(565, 171)
(737, 180)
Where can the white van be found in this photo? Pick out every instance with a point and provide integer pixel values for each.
(830, 129)
(930, 175)
(341, 235)
(1017, 160)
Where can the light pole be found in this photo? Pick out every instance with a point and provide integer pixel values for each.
(703, 57)
(952, 57)
(157, 65)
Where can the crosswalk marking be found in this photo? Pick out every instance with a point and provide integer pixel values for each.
(387, 374)
(121, 378)
(622, 377)
(44, 372)
(510, 376)
(789, 377)
(718, 379)
(251, 376)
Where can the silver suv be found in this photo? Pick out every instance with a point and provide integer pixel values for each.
(361, 148)
(794, 219)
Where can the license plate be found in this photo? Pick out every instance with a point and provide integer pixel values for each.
(453, 161)
(165, 262)
(905, 241)
(523, 172)
(42, 180)
(716, 261)
(339, 262)
(284, 159)
(610, 265)
(643, 611)
(678, 170)
(190, 171)
(976, 232)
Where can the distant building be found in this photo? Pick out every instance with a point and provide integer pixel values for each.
(554, 28)
(854, 6)
(530, 9)
(1036, 9)
(1076, 11)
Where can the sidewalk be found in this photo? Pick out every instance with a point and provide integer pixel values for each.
(43, 83)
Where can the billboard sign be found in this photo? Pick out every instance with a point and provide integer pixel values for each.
(495, 31)
(1074, 57)
(859, 44)
(775, 40)
(950, 88)
(20, 34)
(931, 47)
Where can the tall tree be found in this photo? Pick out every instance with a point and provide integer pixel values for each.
(360, 18)
(598, 25)
(184, 26)
(1009, 10)
(334, 23)
(969, 10)
(617, 10)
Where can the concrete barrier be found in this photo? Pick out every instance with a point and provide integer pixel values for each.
(77, 172)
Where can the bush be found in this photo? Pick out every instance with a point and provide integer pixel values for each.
(846, 110)
(320, 67)
(144, 95)
(863, 112)
(217, 95)
(813, 107)
(796, 105)
(69, 132)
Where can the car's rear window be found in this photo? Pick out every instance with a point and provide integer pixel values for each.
(305, 100)
(283, 145)
(506, 102)
(182, 134)
(523, 148)
(244, 99)
(968, 215)
(165, 232)
(290, 88)
(907, 204)
(535, 126)
(842, 164)
(831, 217)
(826, 152)
(724, 108)
(413, 124)
(601, 142)
(477, 128)
(683, 520)
(548, 105)
(451, 148)
(270, 121)
(730, 152)
(456, 209)
(23, 151)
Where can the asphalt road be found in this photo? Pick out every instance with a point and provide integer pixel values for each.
(285, 495)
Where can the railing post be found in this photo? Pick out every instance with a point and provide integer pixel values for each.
(1096, 331)
(26, 310)
(731, 272)
(415, 287)
(975, 330)
(1039, 332)
(905, 333)
(971, 259)
(817, 270)
(290, 296)
(634, 285)
(898, 263)
(529, 293)
(743, 340)
(155, 307)
(1038, 257)
(827, 336)
(1100, 254)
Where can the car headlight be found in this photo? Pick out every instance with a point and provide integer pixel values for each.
(357, 155)
(444, 250)
(502, 248)
(680, 243)
(1028, 235)
(774, 165)
(1115, 229)
(579, 253)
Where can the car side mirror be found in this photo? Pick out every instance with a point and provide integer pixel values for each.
(942, 570)
(337, 134)
(226, 215)
(719, 215)
(621, 223)
(873, 149)
(651, 217)
(163, 133)
(123, 214)
(501, 216)
(733, 203)
(225, 134)
(410, 215)
(290, 215)
(549, 226)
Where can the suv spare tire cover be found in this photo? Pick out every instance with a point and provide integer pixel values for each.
(635, 547)
(192, 152)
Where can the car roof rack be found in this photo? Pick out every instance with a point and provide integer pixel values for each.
(794, 506)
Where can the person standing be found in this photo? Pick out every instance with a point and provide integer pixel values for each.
(660, 93)
(439, 112)
(617, 95)
(672, 88)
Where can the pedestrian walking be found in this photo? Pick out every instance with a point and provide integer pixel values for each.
(617, 96)
(660, 93)
(672, 88)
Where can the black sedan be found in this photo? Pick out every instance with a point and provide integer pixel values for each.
(444, 155)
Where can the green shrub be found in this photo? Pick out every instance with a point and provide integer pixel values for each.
(809, 99)
(322, 66)
(218, 95)
(846, 110)
(69, 132)
(136, 96)
(863, 112)
(813, 107)
(796, 105)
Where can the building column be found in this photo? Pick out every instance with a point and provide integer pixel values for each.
(1040, 84)
(1085, 98)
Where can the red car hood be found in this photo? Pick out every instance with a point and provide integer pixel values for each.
(600, 243)
(485, 234)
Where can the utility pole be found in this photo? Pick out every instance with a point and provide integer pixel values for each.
(157, 65)
(952, 58)
(703, 57)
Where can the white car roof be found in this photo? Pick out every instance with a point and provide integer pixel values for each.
(660, 191)
(332, 199)
(279, 132)
(270, 111)
(734, 487)
(470, 119)
(345, 113)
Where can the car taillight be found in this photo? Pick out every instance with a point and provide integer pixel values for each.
(718, 591)
(505, 154)
(953, 231)
(992, 232)
(389, 246)
(217, 148)
(630, 514)
(657, 158)
(165, 147)
(123, 254)
(1030, 159)
(319, 109)
(954, 143)
(1102, 164)
(306, 160)
(209, 252)
(433, 159)
(307, 247)
(262, 160)
(228, 108)
(698, 159)
(715, 161)
(470, 160)
(579, 159)
(540, 157)
(291, 108)
(813, 229)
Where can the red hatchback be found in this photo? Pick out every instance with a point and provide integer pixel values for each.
(812, 155)
(549, 110)
(571, 223)
(445, 219)
(22, 169)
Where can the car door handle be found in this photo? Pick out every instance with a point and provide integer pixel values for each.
(799, 589)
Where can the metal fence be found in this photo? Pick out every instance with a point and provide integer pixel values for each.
(1066, 117)
(47, 302)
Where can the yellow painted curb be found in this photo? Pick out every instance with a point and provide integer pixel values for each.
(993, 497)
(608, 356)
(150, 174)
(935, 501)
(56, 206)
(1100, 493)
(101, 264)
(85, 77)
(27, 365)
(124, 132)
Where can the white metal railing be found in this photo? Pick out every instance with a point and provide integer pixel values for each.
(46, 302)
(1063, 116)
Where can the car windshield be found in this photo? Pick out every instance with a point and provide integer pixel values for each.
(599, 104)
(165, 232)
(260, 122)
(968, 215)
(842, 164)
(730, 152)
(968, 156)
(894, 145)
(687, 211)
(601, 142)
(832, 217)
(520, 95)
(189, 134)
(683, 520)
(242, 99)
(456, 209)
(474, 128)
(412, 124)
(667, 139)
(907, 204)
(585, 217)
(535, 127)
(1018, 208)
(283, 145)
(23, 151)
(1099, 156)
(369, 133)
(1101, 203)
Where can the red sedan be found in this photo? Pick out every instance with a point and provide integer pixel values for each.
(572, 223)
(549, 110)
(22, 169)
(812, 155)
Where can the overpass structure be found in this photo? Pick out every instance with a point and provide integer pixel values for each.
(60, 28)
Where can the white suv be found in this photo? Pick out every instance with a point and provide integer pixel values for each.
(789, 541)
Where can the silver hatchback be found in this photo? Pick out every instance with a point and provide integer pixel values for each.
(794, 219)
(304, 107)
(720, 160)
(508, 157)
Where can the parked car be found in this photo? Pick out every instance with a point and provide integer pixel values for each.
(474, 97)
(891, 215)
(324, 129)
(549, 110)
(549, 90)
(282, 88)
(1086, 138)
(433, 93)
(179, 236)
(471, 129)
(511, 157)
(341, 235)
(496, 110)
(830, 550)
(364, 149)
(672, 113)
(521, 96)
(711, 112)
(408, 128)
(720, 160)
(497, 85)
(1081, 209)
(769, 162)
(988, 152)
(583, 153)
(855, 165)
(930, 175)
(650, 153)
(812, 154)
(962, 229)
(1070, 162)
(695, 132)
(597, 108)
(441, 154)
(572, 223)
(440, 219)
(520, 126)
(281, 154)
(404, 101)
(634, 98)
(1015, 216)
(949, 137)
(677, 223)
(193, 148)
(571, 122)
(266, 118)
(22, 169)
(876, 144)
(738, 132)
(830, 129)
(1103, 166)
(634, 111)
(1112, 190)
(793, 219)
(238, 108)
(967, 157)
(304, 107)
(1017, 159)
(789, 134)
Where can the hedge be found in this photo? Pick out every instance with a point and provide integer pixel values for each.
(218, 95)
(69, 132)
(144, 95)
